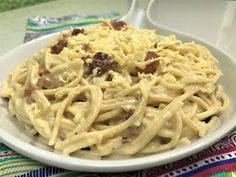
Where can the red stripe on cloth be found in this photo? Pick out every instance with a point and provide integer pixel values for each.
(5, 155)
(180, 164)
(219, 168)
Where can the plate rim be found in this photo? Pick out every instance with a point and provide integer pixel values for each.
(86, 165)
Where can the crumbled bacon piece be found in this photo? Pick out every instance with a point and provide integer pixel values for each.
(57, 48)
(152, 67)
(77, 31)
(150, 55)
(45, 81)
(118, 25)
(103, 62)
(29, 90)
(129, 113)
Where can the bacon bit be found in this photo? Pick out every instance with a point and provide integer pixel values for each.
(77, 31)
(57, 48)
(103, 62)
(129, 113)
(44, 81)
(29, 90)
(125, 140)
(151, 55)
(85, 47)
(151, 68)
(118, 25)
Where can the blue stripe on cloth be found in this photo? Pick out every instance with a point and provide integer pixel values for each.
(190, 173)
(43, 172)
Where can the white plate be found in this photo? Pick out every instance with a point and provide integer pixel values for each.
(13, 135)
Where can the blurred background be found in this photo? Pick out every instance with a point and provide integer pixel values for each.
(6, 5)
(211, 20)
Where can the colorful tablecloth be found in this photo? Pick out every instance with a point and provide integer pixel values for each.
(218, 160)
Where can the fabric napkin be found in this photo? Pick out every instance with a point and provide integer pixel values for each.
(218, 160)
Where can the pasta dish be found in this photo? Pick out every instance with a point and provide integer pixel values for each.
(113, 89)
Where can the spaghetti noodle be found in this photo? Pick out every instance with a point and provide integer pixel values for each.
(115, 89)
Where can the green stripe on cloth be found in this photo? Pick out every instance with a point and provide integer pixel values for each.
(14, 158)
(225, 174)
(12, 162)
(17, 166)
(18, 172)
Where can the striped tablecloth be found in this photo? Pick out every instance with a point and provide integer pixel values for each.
(218, 160)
